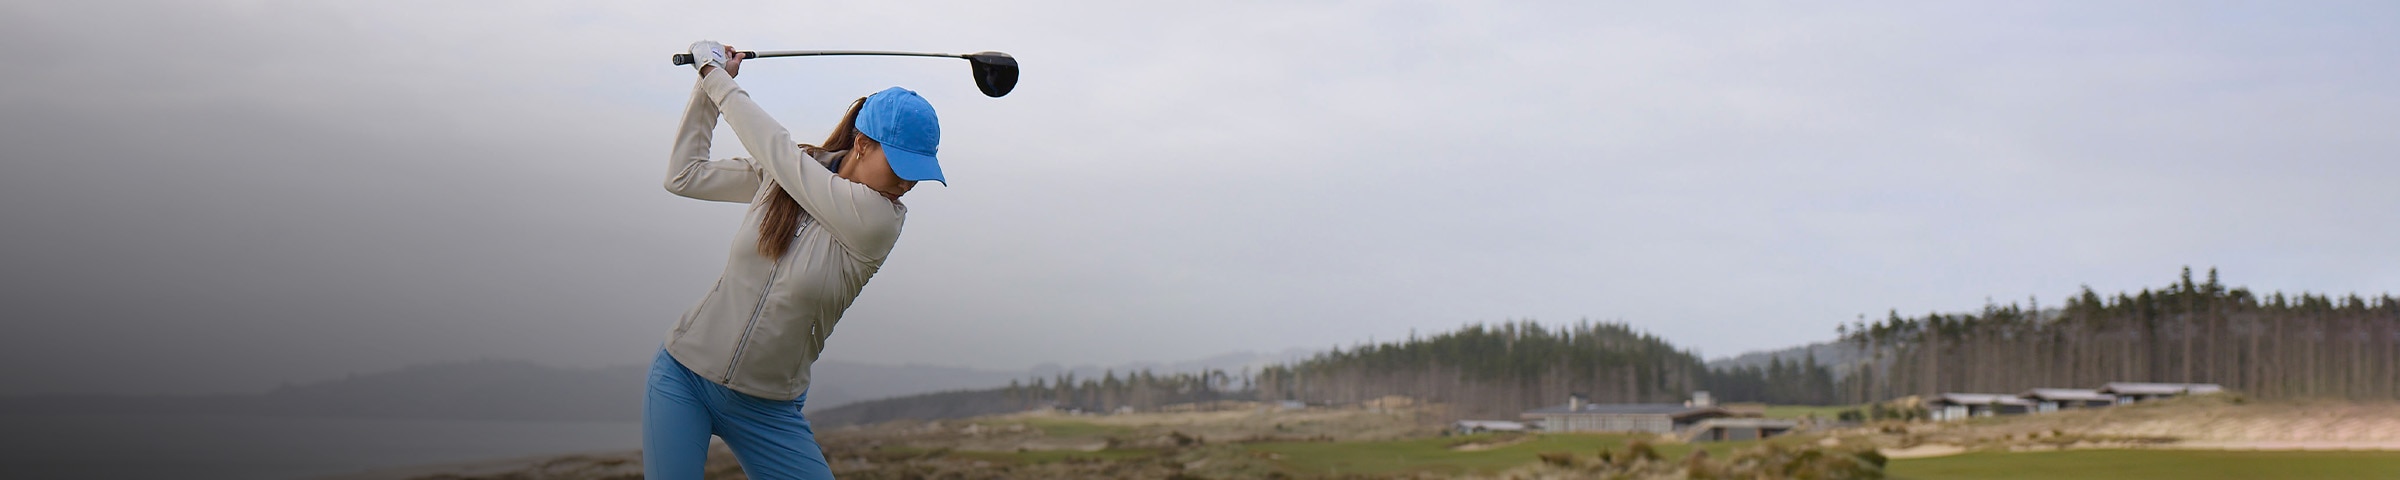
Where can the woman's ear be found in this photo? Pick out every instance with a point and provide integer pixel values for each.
(861, 142)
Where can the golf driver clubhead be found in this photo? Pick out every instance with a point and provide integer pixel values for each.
(995, 72)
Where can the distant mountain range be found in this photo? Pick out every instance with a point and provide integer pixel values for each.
(1231, 363)
(1827, 353)
(520, 390)
(476, 390)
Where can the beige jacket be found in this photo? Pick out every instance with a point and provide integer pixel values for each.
(766, 321)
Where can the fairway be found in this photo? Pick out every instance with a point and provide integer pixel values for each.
(1435, 455)
(1063, 427)
(1047, 456)
(1804, 411)
(2146, 464)
(1426, 454)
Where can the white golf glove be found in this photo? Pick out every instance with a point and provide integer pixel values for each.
(708, 52)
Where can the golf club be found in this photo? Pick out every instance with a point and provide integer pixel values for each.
(995, 72)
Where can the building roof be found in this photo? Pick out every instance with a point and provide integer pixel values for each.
(2068, 394)
(2138, 388)
(1491, 424)
(1668, 409)
(1749, 422)
(1980, 399)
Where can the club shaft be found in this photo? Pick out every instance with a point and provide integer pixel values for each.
(686, 58)
(815, 53)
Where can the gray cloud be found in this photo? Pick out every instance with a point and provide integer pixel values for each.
(265, 191)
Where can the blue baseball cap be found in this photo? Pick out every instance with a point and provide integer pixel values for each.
(904, 123)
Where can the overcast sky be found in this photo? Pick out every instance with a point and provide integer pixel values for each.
(221, 196)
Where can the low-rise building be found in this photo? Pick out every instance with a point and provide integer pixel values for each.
(1956, 406)
(1960, 406)
(1486, 426)
(2046, 400)
(1737, 428)
(2134, 392)
(1578, 416)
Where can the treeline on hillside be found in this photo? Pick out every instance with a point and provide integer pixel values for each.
(926, 406)
(1139, 390)
(1779, 382)
(1486, 371)
(1498, 371)
(2271, 346)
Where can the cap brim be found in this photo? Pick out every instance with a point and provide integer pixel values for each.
(913, 166)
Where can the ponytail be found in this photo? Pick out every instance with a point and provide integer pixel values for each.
(779, 217)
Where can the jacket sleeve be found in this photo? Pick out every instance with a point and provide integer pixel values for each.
(691, 174)
(863, 220)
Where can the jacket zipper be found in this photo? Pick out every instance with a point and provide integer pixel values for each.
(755, 311)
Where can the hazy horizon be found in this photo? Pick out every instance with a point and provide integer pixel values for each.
(219, 196)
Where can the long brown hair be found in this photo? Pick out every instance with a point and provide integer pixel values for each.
(780, 216)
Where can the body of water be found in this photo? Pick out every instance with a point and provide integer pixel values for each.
(242, 447)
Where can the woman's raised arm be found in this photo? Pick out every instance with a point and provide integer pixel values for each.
(691, 174)
(862, 219)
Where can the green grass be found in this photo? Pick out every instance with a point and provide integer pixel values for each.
(1801, 411)
(2145, 464)
(1066, 427)
(888, 454)
(1434, 454)
(1048, 456)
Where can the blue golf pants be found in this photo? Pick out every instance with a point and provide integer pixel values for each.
(768, 437)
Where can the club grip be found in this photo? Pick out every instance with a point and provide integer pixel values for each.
(686, 58)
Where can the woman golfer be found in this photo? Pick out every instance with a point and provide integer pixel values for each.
(821, 220)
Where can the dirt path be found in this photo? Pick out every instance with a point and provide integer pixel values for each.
(2199, 423)
(1922, 451)
(2290, 445)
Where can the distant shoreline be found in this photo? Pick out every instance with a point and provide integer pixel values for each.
(204, 447)
(488, 468)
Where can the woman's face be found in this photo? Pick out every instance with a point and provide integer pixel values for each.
(867, 166)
